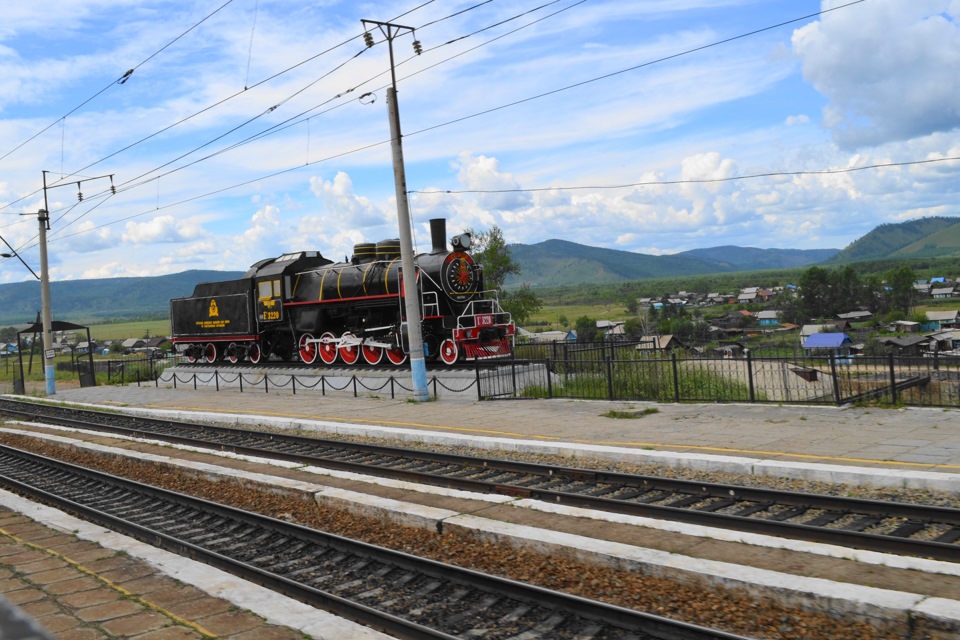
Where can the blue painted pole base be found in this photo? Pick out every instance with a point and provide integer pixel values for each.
(48, 374)
(418, 367)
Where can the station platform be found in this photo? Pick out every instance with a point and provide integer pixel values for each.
(895, 439)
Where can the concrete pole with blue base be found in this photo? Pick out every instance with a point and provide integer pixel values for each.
(418, 365)
(49, 373)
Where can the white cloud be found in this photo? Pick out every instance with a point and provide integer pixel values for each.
(162, 229)
(888, 68)
(483, 173)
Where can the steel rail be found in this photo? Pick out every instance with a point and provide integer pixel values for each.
(592, 489)
(104, 499)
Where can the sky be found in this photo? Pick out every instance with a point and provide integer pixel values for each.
(235, 130)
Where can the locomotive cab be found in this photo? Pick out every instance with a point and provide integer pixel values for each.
(272, 282)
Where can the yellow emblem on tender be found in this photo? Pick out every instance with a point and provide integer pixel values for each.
(214, 311)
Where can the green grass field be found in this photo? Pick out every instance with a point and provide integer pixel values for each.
(124, 330)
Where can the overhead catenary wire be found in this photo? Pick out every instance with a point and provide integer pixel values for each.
(131, 183)
(119, 81)
(664, 183)
(304, 115)
(502, 106)
(265, 80)
(293, 120)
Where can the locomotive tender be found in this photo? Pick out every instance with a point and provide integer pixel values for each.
(303, 306)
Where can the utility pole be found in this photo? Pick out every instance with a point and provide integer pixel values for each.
(418, 367)
(44, 218)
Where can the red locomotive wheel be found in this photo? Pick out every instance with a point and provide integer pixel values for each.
(308, 348)
(232, 353)
(372, 355)
(210, 352)
(349, 348)
(328, 348)
(449, 352)
(253, 353)
(191, 358)
(396, 356)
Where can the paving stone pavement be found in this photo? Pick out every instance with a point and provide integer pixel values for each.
(77, 590)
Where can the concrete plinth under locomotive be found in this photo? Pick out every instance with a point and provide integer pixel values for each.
(302, 306)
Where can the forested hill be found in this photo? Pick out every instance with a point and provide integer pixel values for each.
(559, 262)
(549, 263)
(83, 301)
(922, 238)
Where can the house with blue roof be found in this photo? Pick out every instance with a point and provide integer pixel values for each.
(820, 343)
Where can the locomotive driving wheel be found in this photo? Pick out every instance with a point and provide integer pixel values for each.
(253, 353)
(371, 355)
(232, 353)
(328, 348)
(308, 348)
(396, 356)
(349, 348)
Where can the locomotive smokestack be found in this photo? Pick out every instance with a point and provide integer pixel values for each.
(438, 234)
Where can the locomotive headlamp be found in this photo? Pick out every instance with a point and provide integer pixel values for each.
(462, 242)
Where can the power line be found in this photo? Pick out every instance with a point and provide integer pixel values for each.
(119, 81)
(294, 120)
(226, 99)
(634, 68)
(658, 183)
(480, 113)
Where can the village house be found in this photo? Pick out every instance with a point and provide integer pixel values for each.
(768, 318)
(906, 345)
(659, 343)
(611, 329)
(835, 343)
(937, 320)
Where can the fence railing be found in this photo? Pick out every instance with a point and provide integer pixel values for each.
(814, 379)
(605, 374)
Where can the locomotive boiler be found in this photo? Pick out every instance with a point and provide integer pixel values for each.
(302, 306)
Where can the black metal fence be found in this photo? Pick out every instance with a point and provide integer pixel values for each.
(617, 371)
(119, 371)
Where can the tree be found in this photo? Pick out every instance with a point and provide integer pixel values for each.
(900, 282)
(521, 303)
(586, 329)
(815, 292)
(491, 251)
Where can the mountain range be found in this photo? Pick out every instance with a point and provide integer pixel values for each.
(552, 262)
(559, 262)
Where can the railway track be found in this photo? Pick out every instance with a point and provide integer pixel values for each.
(904, 529)
(400, 594)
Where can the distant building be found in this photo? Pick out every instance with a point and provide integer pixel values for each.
(837, 343)
(659, 343)
(768, 318)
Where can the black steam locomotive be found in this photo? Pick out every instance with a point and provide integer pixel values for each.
(301, 305)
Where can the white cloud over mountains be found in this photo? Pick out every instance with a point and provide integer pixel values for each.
(527, 128)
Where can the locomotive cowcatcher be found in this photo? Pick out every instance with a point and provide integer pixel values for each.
(304, 306)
